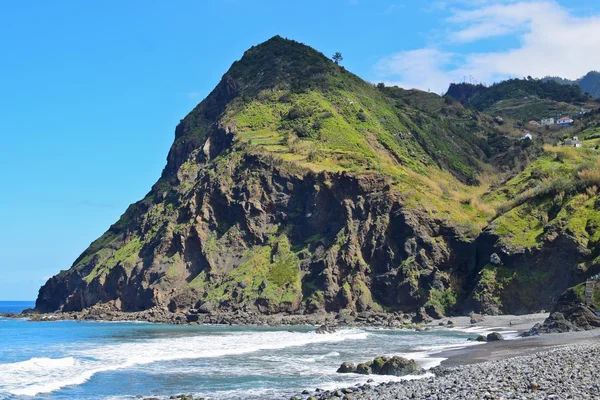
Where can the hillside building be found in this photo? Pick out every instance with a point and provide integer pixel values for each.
(564, 121)
(574, 142)
(547, 121)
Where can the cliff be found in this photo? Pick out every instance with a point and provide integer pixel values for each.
(297, 187)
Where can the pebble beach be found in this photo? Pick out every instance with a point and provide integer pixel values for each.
(553, 366)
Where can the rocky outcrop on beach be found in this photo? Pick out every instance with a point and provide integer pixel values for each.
(576, 310)
(327, 323)
(175, 397)
(494, 337)
(397, 366)
(565, 372)
(324, 329)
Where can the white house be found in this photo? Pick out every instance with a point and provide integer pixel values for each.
(527, 137)
(572, 142)
(548, 121)
(564, 121)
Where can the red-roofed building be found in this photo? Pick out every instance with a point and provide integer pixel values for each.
(564, 121)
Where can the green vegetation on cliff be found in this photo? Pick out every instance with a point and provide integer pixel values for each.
(518, 89)
(295, 186)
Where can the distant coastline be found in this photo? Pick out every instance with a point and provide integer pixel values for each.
(11, 306)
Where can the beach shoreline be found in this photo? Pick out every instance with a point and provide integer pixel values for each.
(556, 365)
(465, 364)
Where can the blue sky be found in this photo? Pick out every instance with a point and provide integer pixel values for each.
(91, 91)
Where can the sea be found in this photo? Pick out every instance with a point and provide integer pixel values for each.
(122, 360)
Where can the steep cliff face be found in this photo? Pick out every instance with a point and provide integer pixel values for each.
(259, 237)
(297, 187)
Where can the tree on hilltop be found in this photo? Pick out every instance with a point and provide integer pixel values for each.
(337, 57)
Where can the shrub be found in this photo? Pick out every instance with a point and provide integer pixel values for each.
(361, 116)
(293, 145)
(285, 98)
(483, 208)
(313, 155)
(298, 112)
(590, 177)
(301, 130)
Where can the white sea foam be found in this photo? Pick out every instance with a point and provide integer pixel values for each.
(43, 375)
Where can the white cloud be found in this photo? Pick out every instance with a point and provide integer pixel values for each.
(552, 41)
(416, 69)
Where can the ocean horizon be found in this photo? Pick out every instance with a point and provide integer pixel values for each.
(15, 306)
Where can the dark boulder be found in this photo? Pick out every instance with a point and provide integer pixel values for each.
(494, 337)
(422, 316)
(192, 318)
(326, 329)
(532, 332)
(206, 307)
(347, 368)
(364, 368)
(476, 318)
(397, 366)
(435, 311)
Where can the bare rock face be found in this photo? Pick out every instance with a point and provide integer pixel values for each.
(206, 307)
(495, 259)
(229, 229)
(571, 313)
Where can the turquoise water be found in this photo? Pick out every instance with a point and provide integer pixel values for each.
(91, 360)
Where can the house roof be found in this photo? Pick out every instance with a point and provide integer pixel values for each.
(564, 119)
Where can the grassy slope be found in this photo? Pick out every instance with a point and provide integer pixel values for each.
(524, 99)
(532, 109)
(328, 119)
(430, 148)
(556, 194)
(557, 190)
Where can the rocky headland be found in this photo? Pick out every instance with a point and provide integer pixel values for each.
(297, 188)
(298, 194)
